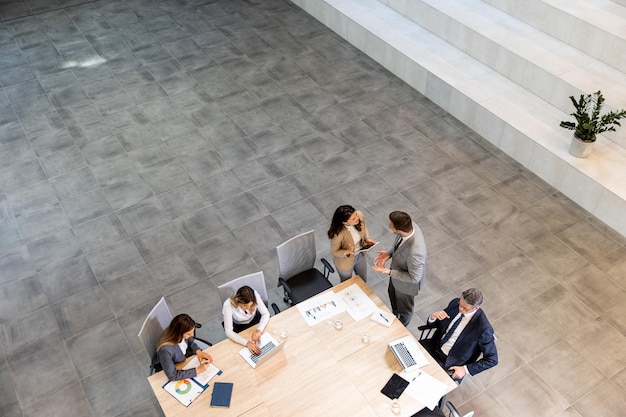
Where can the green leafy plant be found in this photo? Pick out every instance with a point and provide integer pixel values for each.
(589, 122)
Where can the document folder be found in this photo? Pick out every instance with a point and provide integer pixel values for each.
(222, 391)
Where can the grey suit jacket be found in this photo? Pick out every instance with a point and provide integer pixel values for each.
(408, 263)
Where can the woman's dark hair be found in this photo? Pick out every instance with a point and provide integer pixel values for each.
(342, 214)
(173, 334)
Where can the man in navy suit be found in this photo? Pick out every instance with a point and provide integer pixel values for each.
(463, 333)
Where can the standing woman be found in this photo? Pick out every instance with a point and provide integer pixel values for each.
(176, 344)
(347, 234)
(242, 310)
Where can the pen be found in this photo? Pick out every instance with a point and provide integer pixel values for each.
(384, 318)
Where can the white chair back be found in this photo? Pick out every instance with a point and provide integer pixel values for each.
(159, 318)
(256, 281)
(296, 255)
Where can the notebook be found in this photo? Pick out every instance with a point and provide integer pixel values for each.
(269, 348)
(222, 392)
(408, 353)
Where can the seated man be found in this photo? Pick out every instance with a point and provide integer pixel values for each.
(463, 333)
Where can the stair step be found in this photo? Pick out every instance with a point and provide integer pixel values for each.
(512, 118)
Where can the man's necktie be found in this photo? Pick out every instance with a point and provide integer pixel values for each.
(445, 337)
(397, 244)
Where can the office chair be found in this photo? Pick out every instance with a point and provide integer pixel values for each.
(256, 281)
(438, 412)
(153, 326)
(296, 267)
(427, 331)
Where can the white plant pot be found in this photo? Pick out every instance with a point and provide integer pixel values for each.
(580, 148)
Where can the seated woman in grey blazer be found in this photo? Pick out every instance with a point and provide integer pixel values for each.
(176, 344)
(348, 233)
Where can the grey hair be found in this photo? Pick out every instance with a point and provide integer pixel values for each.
(473, 297)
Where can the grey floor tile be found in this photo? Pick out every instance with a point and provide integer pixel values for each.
(102, 388)
(54, 249)
(457, 221)
(15, 264)
(129, 190)
(67, 279)
(599, 336)
(201, 225)
(112, 261)
(159, 242)
(565, 309)
(70, 401)
(455, 265)
(490, 247)
(28, 330)
(82, 311)
(220, 253)
(98, 348)
(74, 183)
(178, 271)
(606, 400)
(546, 400)
(143, 216)
(88, 206)
(278, 194)
(100, 232)
(52, 367)
(130, 291)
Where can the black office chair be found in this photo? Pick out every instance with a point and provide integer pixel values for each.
(438, 412)
(296, 267)
(427, 331)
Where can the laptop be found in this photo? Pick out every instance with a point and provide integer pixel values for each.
(408, 353)
(269, 348)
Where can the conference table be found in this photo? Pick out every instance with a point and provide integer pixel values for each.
(321, 371)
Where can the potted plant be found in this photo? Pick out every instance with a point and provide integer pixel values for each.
(589, 123)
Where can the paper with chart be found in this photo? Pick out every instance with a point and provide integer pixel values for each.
(185, 390)
(319, 308)
(357, 303)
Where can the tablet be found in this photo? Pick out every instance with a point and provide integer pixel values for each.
(395, 386)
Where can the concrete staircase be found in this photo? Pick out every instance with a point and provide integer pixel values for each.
(506, 68)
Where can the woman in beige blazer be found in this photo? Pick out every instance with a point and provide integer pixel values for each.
(347, 234)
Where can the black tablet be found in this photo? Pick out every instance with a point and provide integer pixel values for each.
(395, 386)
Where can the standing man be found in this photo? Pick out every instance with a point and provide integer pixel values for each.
(408, 265)
(463, 336)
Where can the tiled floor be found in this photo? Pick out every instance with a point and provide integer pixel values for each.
(162, 148)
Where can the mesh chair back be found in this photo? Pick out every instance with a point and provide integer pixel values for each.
(296, 255)
(255, 281)
(158, 319)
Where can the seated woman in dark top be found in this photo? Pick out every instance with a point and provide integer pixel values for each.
(176, 344)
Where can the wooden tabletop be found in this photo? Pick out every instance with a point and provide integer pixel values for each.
(320, 372)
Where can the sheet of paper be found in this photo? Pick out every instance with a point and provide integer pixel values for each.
(204, 377)
(382, 317)
(424, 388)
(358, 304)
(319, 308)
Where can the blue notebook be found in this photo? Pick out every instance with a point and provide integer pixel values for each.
(222, 391)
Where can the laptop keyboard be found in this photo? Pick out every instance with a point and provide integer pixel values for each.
(266, 348)
(404, 354)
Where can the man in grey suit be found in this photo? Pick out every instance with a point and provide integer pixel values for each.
(408, 265)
